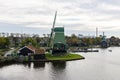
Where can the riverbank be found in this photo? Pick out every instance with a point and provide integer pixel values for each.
(7, 61)
(49, 58)
(2, 58)
(66, 57)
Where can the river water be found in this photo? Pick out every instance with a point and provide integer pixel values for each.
(102, 65)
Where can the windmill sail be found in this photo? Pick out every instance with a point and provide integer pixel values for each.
(54, 21)
(52, 29)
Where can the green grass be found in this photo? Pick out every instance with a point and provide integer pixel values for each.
(66, 57)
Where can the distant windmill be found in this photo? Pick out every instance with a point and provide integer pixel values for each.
(104, 42)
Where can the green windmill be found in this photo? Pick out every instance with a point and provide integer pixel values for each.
(104, 42)
(57, 41)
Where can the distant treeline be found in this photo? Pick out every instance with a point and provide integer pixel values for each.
(71, 41)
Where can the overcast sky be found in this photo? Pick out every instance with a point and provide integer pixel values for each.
(77, 16)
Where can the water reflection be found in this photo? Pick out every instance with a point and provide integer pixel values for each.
(27, 64)
(35, 65)
(58, 70)
(38, 64)
(59, 65)
(3, 64)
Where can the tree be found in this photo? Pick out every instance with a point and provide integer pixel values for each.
(4, 42)
(98, 40)
(73, 40)
(29, 41)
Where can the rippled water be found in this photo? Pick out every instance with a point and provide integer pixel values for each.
(102, 65)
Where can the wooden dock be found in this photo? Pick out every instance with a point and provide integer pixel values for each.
(84, 51)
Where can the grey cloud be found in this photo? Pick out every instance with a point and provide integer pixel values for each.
(34, 23)
(111, 12)
(17, 28)
(71, 19)
(115, 2)
(74, 25)
(29, 10)
(63, 1)
(68, 8)
(109, 27)
(78, 26)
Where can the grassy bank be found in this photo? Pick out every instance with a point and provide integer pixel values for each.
(6, 60)
(3, 51)
(66, 57)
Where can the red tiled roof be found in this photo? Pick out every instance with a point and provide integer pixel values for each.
(36, 50)
(31, 47)
(39, 51)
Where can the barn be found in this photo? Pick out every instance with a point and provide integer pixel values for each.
(37, 53)
(26, 50)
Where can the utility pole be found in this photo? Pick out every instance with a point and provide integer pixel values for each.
(96, 32)
(103, 33)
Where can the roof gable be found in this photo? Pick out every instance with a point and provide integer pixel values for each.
(35, 50)
(30, 47)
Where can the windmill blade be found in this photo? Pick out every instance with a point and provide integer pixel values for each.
(54, 19)
(52, 28)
